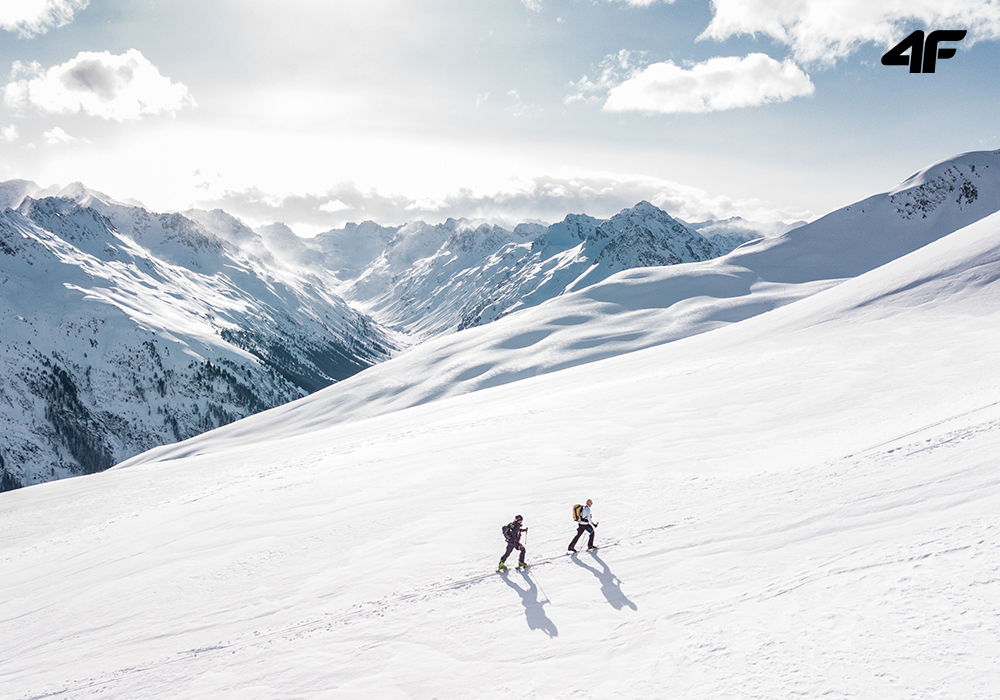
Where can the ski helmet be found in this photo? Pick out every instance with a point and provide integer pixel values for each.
(518, 518)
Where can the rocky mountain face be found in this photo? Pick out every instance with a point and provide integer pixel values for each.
(121, 330)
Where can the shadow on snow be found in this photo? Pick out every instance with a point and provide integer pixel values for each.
(533, 608)
(610, 584)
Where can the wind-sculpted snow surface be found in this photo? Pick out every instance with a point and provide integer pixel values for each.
(804, 504)
(124, 330)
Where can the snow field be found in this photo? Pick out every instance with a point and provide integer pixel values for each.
(805, 504)
(869, 574)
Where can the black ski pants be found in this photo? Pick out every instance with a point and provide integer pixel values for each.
(511, 546)
(582, 528)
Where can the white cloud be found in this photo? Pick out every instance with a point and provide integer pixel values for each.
(32, 17)
(333, 206)
(8, 134)
(535, 5)
(823, 31)
(717, 84)
(519, 108)
(548, 198)
(99, 84)
(615, 69)
(58, 137)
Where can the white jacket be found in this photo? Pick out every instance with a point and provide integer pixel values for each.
(585, 515)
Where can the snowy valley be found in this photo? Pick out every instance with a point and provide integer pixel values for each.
(791, 449)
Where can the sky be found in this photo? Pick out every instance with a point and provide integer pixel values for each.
(316, 113)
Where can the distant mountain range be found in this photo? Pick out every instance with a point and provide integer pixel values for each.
(424, 280)
(124, 329)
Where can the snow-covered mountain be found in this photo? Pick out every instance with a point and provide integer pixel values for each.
(146, 329)
(801, 503)
(258, 310)
(644, 307)
(123, 330)
(731, 233)
(434, 279)
(427, 280)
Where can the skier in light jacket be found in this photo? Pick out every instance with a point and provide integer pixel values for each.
(585, 525)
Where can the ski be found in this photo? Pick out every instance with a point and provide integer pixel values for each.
(563, 556)
(507, 569)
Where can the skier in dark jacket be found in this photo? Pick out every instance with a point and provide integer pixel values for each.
(585, 524)
(513, 534)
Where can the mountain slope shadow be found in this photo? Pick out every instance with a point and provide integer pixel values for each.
(533, 608)
(610, 584)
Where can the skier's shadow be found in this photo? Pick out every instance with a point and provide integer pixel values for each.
(533, 608)
(610, 584)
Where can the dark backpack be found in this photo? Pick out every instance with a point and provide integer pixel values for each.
(578, 512)
(508, 532)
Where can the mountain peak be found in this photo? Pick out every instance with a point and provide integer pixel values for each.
(13, 192)
(645, 208)
(81, 194)
(946, 168)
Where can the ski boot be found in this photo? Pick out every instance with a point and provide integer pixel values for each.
(522, 565)
(502, 567)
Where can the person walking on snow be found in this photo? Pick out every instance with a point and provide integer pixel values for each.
(512, 532)
(584, 525)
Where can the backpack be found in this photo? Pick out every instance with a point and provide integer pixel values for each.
(507, 531)
(578, 512)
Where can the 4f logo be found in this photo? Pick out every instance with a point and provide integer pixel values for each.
(923, 54)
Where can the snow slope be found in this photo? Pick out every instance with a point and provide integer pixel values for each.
(644, 307)
(801, 504)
